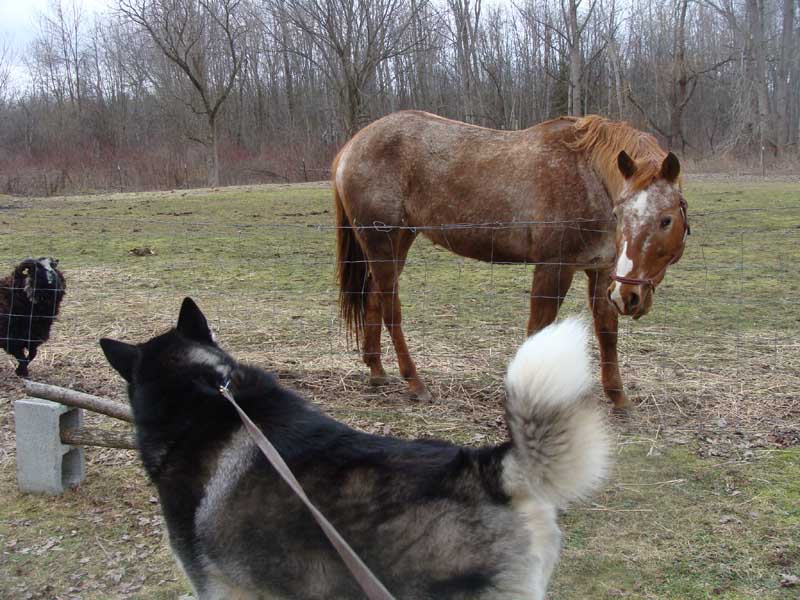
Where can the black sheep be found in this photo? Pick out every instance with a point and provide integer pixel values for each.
(29, 302)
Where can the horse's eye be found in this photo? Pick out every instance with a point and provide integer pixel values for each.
(666, 222)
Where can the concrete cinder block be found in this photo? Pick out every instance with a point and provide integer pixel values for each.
(44, 464)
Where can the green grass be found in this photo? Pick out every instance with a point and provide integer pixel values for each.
(675, 526)
(701, 504)
(102, 540)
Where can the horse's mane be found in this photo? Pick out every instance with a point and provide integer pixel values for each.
(602, 140)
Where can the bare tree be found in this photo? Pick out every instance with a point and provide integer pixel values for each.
(495, 58)
(682, 82)
(464, 31)
(279, 83)
(349, 40)
(575, 29)
(203, 39)
(6, 59)
(610, 34)
(755, 13)
(66, 25)
(786, 59)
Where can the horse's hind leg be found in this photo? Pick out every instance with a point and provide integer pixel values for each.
(387, 260)
(605, 328)
(392, 318)
(550, 286)
(373, 323)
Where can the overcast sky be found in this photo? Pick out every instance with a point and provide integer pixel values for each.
(18, 17)
(18, 22)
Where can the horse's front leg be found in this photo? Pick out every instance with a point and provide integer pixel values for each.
(550, 286)
(605, 327)
(386, 263)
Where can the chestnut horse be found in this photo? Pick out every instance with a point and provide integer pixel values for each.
(558, 187)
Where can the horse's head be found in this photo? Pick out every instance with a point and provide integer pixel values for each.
(651, 230)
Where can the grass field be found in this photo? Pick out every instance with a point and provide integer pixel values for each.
(704, 501)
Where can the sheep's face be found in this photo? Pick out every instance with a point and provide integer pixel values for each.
(39, 278)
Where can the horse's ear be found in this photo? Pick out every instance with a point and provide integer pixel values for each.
(626, 165)
(671, 168)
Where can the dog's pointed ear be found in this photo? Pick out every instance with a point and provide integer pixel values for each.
(670, 168)
(121, 356)
(192, 322)
(626, 164)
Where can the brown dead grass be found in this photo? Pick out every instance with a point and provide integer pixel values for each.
(708, 378)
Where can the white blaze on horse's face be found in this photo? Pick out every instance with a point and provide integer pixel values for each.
(623, 268)
(634, 218)
(650, 232)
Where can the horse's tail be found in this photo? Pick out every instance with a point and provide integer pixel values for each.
(351, 268)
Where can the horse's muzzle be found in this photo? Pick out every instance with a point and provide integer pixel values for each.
(630, 300)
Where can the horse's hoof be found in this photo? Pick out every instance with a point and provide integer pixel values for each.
(422, 396)
(622, 412)
(619, 400)
(622, 406)
(378, 380)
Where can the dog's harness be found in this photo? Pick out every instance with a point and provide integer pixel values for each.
(371, 585)
(656, 279)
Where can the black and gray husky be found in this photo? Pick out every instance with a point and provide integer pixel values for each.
(431, 519)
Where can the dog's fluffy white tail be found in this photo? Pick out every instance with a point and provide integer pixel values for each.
(560, 441)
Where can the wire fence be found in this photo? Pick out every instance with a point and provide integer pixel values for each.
(719, 351)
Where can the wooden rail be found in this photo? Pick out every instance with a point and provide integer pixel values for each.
(104, 406)
(85, 436)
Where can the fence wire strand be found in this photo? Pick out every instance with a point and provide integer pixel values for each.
(722, 340)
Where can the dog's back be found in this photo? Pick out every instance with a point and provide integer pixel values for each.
(432, 520)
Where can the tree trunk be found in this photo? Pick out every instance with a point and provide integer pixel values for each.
(354, 107)
(756, 14)
(575, 64)
(680, 81)
(212, 161)
(287, 70)
(782, 83)
(548, 87)
(419, 80)
(613, 55)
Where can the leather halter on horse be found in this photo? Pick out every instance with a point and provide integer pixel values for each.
(651, 281)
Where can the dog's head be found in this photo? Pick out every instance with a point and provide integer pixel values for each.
(183, 363)
(40, 279)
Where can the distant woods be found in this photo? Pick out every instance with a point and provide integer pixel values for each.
(172, 93)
